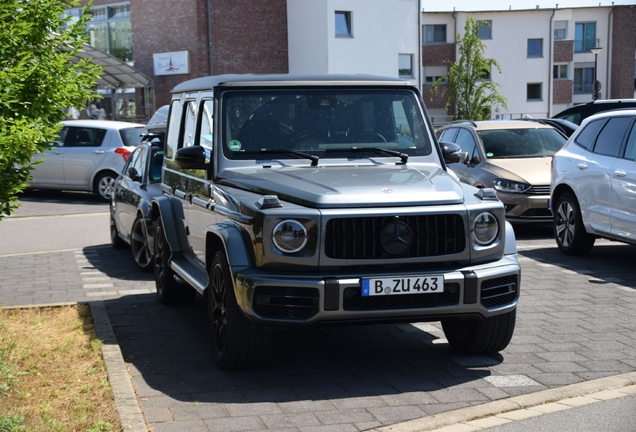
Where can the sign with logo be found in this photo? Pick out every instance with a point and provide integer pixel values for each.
(171, 63)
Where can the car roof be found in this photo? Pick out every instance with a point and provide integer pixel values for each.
(502, 124)
(107, 124)
(274, 80)
(611, 113)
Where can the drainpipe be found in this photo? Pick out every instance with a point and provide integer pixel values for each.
(419, 44)
(210, 49)
(551, 65)
(608, 65)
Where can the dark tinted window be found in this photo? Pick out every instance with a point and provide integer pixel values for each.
(84, 137)
(587, 135)
(448, 135)
(466, 141)
(131, 137)
(611, 137)
(156, 162)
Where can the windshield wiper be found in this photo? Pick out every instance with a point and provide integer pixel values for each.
(314, 159)
(378, 150)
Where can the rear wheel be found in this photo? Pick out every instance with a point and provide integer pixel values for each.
(169, 291)
(139, 244)
(237, 343)
(481, 336)
(105, 185)
(569, 231)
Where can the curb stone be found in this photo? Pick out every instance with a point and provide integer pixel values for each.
(511, 404)
(130, 415)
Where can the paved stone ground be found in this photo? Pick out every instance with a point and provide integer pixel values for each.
(575, 322)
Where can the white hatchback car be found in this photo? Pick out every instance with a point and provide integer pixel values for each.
(87, 156)
(593, 188)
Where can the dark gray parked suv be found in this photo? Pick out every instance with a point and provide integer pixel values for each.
(310, 200)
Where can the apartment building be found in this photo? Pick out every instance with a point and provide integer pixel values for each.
(549, 58)
(173, 41)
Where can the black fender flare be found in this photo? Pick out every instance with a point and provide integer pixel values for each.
(169, 212)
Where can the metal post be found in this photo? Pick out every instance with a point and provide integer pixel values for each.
(596, 88)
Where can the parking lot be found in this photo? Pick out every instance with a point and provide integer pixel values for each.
(576, 322)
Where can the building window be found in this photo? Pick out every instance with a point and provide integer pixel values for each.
(485, 29)
(435, 33)
(560, 72)
(109, 29)
(535, 47)
(432, 79)
(343, 24)
(583, 80)
(534, 92)
(560, 30)
(405, 65)
(584, 37)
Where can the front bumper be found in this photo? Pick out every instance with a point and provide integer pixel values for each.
(310, 299)
(522, 208)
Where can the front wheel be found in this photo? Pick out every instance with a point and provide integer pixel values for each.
(569, 231)
(236, 342)
(481, 336)
(139, 244)
(115, 241)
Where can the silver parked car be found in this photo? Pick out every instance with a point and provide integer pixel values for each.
(88, 155)
(594, 183)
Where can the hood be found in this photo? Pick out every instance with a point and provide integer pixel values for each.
(535, 171)
(349, 185)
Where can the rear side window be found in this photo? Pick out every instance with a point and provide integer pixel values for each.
(611, 137)
(132, 137)
(84, 137)
(448, 135)
(586, 137)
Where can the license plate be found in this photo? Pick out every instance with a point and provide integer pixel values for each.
(403, 285)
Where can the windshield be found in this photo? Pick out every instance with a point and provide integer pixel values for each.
(521, 143)
(323, 123)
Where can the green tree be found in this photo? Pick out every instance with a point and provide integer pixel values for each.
(469, 90)
(38, 80)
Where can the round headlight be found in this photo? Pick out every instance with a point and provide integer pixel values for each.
(485, 228)
(289, 236)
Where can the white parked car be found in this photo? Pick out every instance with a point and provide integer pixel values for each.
(593, 188)
(87, 156)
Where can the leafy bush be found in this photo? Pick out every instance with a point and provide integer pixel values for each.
(39, 78)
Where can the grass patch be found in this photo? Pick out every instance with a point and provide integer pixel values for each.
(52, 375)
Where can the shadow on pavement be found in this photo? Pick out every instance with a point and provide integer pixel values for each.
(170, 353)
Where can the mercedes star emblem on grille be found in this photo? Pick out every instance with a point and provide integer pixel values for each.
(396, 237)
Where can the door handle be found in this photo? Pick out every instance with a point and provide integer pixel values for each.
(620, 173)
(582, 166)
(98, 152)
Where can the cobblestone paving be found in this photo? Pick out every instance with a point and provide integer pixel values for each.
(575, 322)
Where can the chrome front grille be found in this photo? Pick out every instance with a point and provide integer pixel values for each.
(539, 190)
(360, 238)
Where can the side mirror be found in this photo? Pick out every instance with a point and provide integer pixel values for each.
(192, 157)
(133, 174)
(451, 152)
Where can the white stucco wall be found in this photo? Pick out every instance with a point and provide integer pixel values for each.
(381, 30)
(510, 33)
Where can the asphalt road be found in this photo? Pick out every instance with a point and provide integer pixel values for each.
(576, 322)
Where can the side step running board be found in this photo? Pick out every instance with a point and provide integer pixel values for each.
(189, 273)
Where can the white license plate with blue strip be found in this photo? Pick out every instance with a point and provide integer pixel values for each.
(429, 284)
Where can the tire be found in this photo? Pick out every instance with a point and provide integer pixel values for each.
(236, 342)
(569, 231)
(105, 185)
(115, 241)
(480, 336)
(169, 291)
(139, 245)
